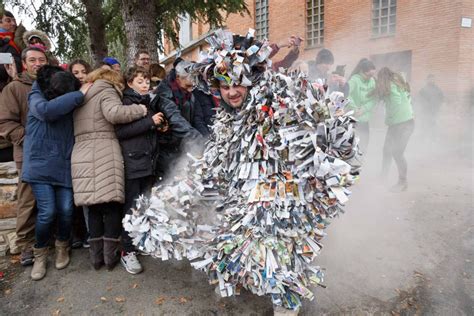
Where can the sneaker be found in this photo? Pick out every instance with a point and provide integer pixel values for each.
(130, 262)
(27, 257)
(85, 243)
(76, 243)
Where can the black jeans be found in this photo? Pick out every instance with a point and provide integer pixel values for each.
(396, 141)
(105, 220)
(133, 188)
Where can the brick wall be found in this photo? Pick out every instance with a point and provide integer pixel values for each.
(431, 30)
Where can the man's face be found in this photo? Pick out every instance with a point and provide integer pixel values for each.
(234, 95)
(185, 84)
(143, 60)
(33, 61)
(116, 67)
(323, 68)
(8, 23)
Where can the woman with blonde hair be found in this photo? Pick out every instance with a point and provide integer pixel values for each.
(394, 91)
(97, 162)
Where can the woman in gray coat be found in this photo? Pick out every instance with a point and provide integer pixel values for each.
(97, 162)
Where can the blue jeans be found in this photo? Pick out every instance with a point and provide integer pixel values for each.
(53, 202)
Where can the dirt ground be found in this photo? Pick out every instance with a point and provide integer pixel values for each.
(407, 253)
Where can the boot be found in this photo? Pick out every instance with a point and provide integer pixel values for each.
(39, 266)
(62, 254)
(97, 252)
(111, 252)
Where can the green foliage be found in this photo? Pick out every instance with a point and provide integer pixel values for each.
(64, 21)
(114, 29)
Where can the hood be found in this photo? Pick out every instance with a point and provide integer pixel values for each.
(25, 78)
(98, 87)
(40, 34)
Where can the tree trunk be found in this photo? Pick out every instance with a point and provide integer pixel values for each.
(96, 27)
(139, 18)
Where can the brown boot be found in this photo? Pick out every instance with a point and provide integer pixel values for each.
(111, 252)
(97, 252)
(62, 254)
(39, 266)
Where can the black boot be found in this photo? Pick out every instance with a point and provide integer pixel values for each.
(111, 252)
(97, 252)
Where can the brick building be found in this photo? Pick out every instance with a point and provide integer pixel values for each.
(416, 37)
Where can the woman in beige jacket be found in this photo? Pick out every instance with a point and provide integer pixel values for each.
(97, 162)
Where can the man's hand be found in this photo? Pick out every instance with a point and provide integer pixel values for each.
(340, 80)
(11, 69)
(158, 118)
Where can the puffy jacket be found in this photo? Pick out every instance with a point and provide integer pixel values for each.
(97, 162)
(13, 112)
(49, 138)
(359, 94)
(138, 139)
(398, 107)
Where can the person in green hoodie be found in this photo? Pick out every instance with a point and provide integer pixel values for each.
(394, 91)
(361, 85)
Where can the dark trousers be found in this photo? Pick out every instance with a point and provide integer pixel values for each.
(79, 229)
(105, 220)
(134, 188)
(363, 131)
(396, 141)
(26, 215)
(53, 203)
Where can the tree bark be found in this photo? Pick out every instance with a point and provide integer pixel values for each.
(139, 18)
(96, 27)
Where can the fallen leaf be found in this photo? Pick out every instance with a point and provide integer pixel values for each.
(160, 300)
(57, 312)
(8, 291)
(15, 259)
(103, 299)
(60, 299)
(109, 288)
(183, 300)
(120, 299)
(135, 286)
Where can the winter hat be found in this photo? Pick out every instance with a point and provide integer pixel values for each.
(110, 61)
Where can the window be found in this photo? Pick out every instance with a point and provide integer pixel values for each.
(384, 14)
(261, 19)
(314, 22)
(185, 30)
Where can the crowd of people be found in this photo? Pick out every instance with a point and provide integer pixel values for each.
(87, 142)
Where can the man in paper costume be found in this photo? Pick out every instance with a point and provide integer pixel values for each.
(251, 212)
